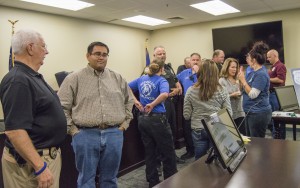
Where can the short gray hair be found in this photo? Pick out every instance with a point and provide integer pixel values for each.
(22, 38)
(217, 52)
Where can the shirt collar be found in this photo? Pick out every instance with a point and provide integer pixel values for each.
(26, 68)
(93, 71)
(276, 63)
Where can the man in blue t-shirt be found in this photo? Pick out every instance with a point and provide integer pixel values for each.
(187, 78)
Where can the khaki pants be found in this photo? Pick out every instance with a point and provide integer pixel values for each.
(15, 176)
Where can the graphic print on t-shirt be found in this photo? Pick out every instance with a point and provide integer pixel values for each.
(146, 89)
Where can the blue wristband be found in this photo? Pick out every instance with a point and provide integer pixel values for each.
(41, 170)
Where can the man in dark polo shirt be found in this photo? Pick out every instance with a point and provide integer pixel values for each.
(277, 75)
(185, 66)
(218, 58)
(35, 124)
(159, 53)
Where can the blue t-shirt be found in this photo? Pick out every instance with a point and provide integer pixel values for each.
(250, 70)
(187, 79)
(260, 80)
(150, 87)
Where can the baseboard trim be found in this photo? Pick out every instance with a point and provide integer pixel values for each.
(131, 168)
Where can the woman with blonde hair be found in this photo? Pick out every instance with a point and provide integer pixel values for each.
(228, 79)
(206, 97)
(152, 122)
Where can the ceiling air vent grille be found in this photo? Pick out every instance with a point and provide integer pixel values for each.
(175, 18)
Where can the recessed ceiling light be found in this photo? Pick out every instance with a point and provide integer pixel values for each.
(64, 4)
(146, 20)
(215, 7)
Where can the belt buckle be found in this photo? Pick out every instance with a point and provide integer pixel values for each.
(106, 126)
(53, 152)
(103, 126)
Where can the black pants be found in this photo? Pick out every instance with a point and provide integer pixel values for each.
(156, 135)
(171, 115)
(187, 131)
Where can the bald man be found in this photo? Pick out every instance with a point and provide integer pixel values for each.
(185, 66)
(277, 75)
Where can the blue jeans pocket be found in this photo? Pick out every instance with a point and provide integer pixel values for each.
(201, 142)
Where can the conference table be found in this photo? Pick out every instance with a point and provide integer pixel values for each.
(269, 163)
(294, 120)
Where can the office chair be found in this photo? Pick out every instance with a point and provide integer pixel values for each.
(60, 76)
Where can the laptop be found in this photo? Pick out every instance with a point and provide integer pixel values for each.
(287, 98)
(227, 141)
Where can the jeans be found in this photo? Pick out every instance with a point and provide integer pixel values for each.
(201, 142)
(256, 123)
(273, 101)
(156, 136)
(98, 148)
(278, 129)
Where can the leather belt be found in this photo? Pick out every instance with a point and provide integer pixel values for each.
(153, 114)
(104, 126)
(52, 152)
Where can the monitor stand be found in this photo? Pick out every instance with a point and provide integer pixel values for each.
(211, 156)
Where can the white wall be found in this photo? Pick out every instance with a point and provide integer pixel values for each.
(184, 40)
(68, 38)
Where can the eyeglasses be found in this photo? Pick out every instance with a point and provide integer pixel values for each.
(41, 45)
(99, 54)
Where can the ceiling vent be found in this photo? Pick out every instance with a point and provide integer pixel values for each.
(175, 18)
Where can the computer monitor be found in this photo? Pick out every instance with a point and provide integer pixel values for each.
(287, 98)
(225, 118)
(227, 141)
(296, 79)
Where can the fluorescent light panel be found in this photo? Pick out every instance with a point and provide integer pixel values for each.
(215, 7)
(64, 4)
(145, 20)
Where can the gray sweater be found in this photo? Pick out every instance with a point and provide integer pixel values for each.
(195, 109)
(236, 102)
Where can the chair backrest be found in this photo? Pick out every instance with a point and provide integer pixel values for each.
(60, 76)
